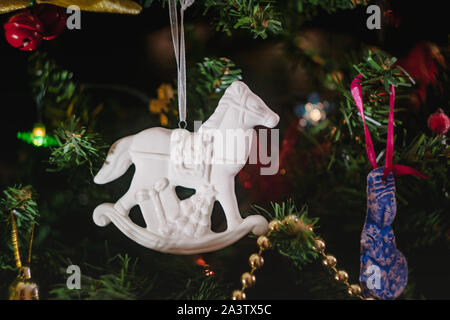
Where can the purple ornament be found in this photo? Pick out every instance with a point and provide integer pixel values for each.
(384, 270)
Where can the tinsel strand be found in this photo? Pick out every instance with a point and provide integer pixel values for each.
(31, 244)
(15, 241)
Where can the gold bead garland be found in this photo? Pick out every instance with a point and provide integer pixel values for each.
(330, 262)
(256, 262)
(294, 225)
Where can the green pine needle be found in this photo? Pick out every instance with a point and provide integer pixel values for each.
(260, 17)
(216, 75)
(76, 147)
(21, 201)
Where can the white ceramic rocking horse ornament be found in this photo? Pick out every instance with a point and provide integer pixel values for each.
(204, 161)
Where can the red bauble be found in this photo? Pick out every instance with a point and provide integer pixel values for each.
(53, 19)
(24, 31)
(439, 122)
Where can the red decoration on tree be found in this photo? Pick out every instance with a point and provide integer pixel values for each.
(27, 29)
(24, 31)
(272, 187)
(421, 66)
(53, 19)
(439, 122)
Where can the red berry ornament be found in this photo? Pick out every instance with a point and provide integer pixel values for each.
(439, 122)
(24, 31)
(53, 19)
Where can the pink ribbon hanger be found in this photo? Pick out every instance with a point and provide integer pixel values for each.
(398, 169)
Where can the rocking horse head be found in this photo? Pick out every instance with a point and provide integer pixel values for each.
(241, 108)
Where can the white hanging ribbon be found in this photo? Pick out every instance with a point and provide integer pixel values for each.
(180, 55)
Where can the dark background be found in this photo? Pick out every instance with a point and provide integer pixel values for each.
(119, 49)
(136, 51)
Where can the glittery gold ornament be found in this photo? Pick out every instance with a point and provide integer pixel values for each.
(248, 279)
(23, 288)
(108, 6)
(15, 241)
(256, 261)
(13, 5)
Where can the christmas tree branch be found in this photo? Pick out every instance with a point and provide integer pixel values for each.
(76, 146)
(260, 17)
(292, 234)
(19, 214)
(212, 77)
(21, 202)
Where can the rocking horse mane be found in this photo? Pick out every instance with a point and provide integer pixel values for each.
(234, 94)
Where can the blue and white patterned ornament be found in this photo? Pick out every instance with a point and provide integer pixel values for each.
(384, 270)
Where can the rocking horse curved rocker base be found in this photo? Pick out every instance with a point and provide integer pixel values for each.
(206, 161)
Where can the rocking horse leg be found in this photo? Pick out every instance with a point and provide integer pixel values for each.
(227, 198)
(124, 204)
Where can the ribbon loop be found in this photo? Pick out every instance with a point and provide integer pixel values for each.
(356, 91)
(179, 49)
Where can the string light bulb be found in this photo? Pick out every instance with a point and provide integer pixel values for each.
(38, 136)
(312, 112)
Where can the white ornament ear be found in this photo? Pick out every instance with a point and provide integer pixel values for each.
(237, 88)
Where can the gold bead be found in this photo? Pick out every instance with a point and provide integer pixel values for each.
(256, 261)
(319, 245)
(341, 275)
(354, 290)
(292, 218)
(264, 242)
(248, 279)
(274, 225)
(294, 224)
(239, 295)
(300, 226)
(329, 261)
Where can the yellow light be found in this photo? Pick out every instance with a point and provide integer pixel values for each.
(39, 131)
(315, 115)
(38, 141)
